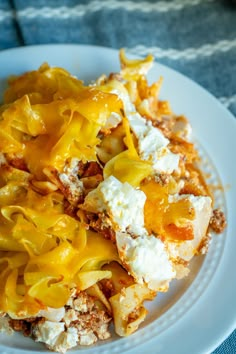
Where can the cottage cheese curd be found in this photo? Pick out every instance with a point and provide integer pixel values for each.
(53, 334)
(112, 122)
(147, 259)
(123, 204)
(152, 144)
(51, 314)
(70, 181)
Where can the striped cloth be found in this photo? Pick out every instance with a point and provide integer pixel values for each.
(195, 37)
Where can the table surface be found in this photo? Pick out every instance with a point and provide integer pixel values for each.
(195, 37)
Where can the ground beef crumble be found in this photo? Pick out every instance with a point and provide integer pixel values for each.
(218, 221)
(100, 223)
(204, 245)
(83, 320)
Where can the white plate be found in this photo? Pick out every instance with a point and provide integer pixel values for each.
(198, 313)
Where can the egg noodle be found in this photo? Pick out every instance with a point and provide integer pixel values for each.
(102, 202)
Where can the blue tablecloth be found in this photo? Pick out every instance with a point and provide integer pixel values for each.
(196, 37)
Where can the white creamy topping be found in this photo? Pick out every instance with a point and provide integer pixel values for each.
(53, 334)
(203, 209)
(71, 182)
(165, 161)
(148, 134)
(5, 326)
(88, 338)
(152, 143)
(123, 204)
(182, 128)
(70, 316)
(112, 122)
(146, 258)
(3, 160)
(66, 340)
(48, 332)
(52, 314)
(124, 96)
(73, 167)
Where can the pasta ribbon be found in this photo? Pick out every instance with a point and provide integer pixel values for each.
(132, 69)
(127, 165)
(44, 252)
(50, 291)
(43, 85)
(127, 168)
(90, 278)
(65, 265)
(26, 224)
(62, 129)
(170, 220)
(48, 277)
(22, 117)
(15, 304)
(97, 252)
(128, 309)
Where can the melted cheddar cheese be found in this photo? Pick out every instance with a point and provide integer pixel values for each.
(55, 148)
